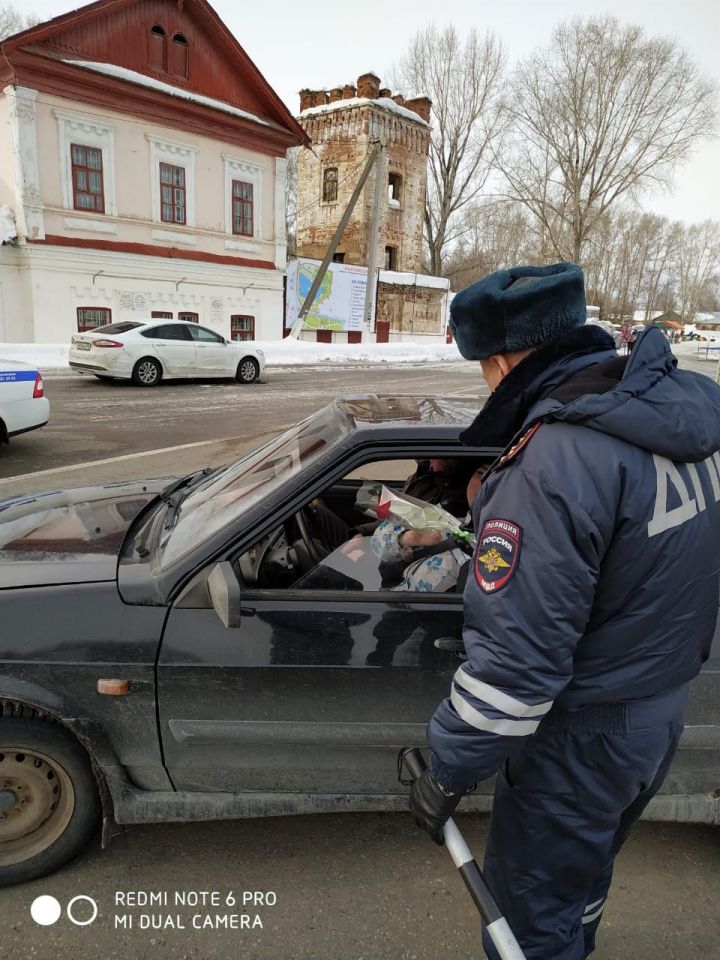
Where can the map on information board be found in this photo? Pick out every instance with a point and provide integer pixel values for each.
(339, 302)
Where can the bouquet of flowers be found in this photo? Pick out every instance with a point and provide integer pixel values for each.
(380, 501)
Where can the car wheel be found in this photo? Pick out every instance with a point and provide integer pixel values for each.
(146, 373)
(49, 802)
(248, 370)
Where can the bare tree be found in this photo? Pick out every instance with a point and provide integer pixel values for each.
(463, 79)
(12, 21)
(697, 267)
(599, 115)
(493, 236)
(291, 196)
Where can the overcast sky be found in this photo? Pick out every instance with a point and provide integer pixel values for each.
(312, 44)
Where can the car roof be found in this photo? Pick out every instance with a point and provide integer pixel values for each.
(374, 410)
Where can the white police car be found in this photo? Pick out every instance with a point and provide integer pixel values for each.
(23, 404)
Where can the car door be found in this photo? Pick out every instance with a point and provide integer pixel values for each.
(314, 692)
(212, 353)
(175, 348)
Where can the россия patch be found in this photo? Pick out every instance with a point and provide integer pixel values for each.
(497, 555)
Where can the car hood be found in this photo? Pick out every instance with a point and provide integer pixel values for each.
(69, 536)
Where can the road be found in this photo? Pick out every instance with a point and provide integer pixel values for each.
(117, 431)
(348, 887)
(356, 887)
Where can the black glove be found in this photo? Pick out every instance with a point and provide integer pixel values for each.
(432, 806)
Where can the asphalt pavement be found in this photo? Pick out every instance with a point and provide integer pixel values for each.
(114, 431)
(346, 887)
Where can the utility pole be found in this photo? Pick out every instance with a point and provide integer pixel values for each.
(380, 187)
(322, 269)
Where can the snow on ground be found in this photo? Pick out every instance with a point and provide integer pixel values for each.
(278, 353)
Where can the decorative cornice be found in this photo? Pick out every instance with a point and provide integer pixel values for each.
(83, 124)
(173, 148)
(144, 249)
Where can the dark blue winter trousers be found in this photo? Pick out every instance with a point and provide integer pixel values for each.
(564, 805)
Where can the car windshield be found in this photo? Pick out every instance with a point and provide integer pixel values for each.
(228, 493)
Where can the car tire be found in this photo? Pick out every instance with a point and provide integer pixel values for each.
(248, 370)
(49, 801)
(147, 372)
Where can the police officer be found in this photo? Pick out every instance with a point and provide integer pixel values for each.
(592, 601)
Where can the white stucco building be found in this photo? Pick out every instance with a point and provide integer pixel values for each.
(142, 156)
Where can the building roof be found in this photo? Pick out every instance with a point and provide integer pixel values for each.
(227, 97)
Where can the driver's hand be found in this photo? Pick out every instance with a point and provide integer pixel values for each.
(420, 538)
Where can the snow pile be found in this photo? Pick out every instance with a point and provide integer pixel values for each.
(278, 353)
(122, 73)
(385, 102)
(41, 355)
(8, 230)
(292, 352)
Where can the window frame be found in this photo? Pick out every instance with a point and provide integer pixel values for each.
(87, 170)
(361, 458)
(250, 329)
(188, 316)
(105, 323)
(243, 203)
(159, 32)
(178, 42)
(243, 171)
(176, 188)
(391, 261)
(328, 180)
(395, 189)
(175, 154)
(87, 131)
(161, 315)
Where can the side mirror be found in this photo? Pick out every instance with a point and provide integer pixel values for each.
(224, 591)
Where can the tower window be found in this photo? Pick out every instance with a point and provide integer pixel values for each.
(339, 257)
(158, 49)
(330, 185)
(179, 56)
(391, 258)
(394, 189)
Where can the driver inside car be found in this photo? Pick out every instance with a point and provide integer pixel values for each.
(371, 562)
(438, 481)
(424, 560)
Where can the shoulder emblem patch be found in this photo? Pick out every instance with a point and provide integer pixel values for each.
(498, 552)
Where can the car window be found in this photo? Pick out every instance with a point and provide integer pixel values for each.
(393, 525)
(121, 327)
(205, 336)
(167, 331)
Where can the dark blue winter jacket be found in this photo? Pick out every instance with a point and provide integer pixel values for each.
(597, 571)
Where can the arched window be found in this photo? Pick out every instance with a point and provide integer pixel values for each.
(158, 49)
(330, 185)
(179, 56)
(394, 189)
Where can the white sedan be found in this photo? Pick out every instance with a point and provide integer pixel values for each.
(23, 404)
(148, 351)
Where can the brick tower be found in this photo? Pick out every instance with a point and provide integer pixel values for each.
(342, 124)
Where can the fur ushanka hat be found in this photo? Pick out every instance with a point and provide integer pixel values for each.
(518, 308)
